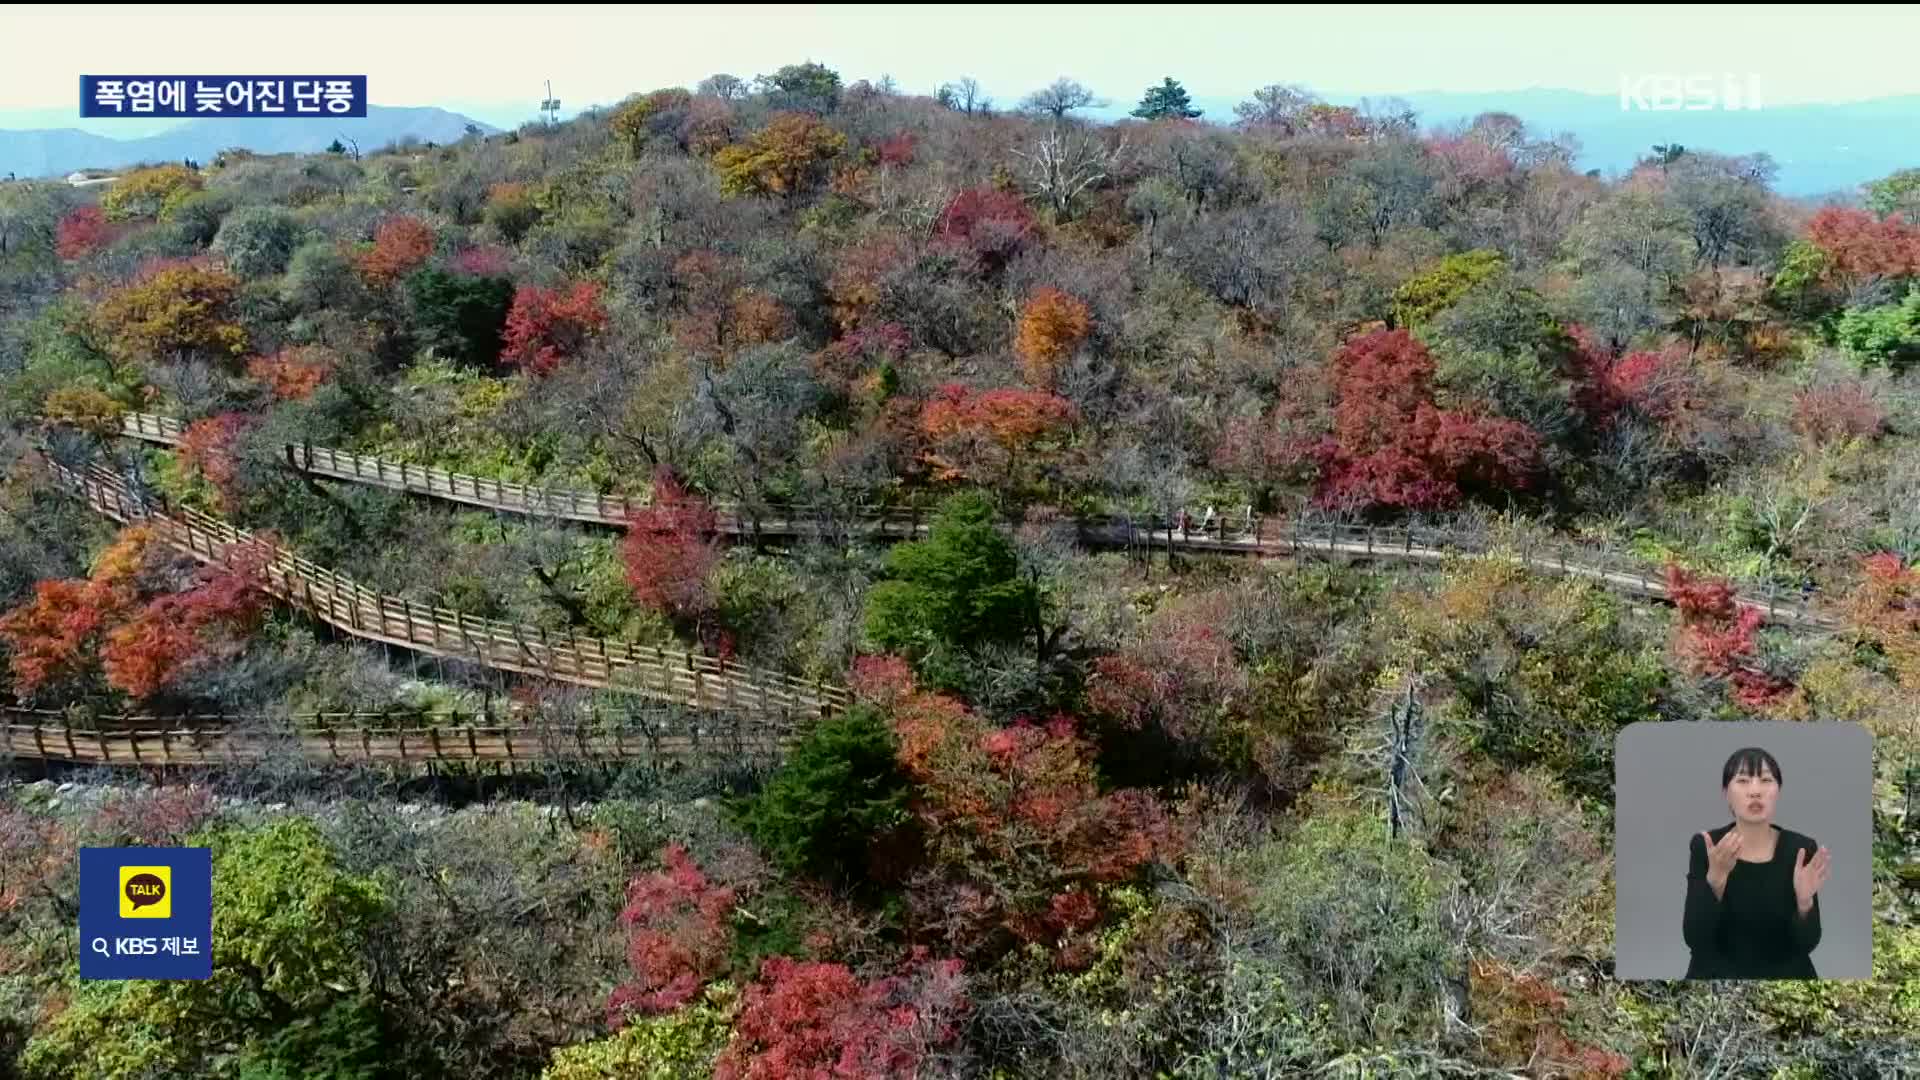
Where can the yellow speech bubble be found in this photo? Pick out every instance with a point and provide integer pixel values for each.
(146, 892)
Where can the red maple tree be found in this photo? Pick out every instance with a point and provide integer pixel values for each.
(679, 931)
(670, 549)
(1391, 446)
(82, 232)
(822, 1022)
(1716, 637)
(546, 327)
(987, 225)
(1861, 248)
(208, 445)
(1017, 828)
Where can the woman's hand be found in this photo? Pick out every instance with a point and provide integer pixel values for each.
(1720, 858)
(1809, 875)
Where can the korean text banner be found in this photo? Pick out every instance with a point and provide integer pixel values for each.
(223, 95)
(146, 913)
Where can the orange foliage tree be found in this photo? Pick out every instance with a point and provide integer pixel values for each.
(51, 635)
(1525, 1020)
(719, 311)
(172, 310)
(400, 245)
(987, 436)
(179, 631)
(1052, 325)
(859, 281)
(294, 373)
(789, 156)
(141, 646)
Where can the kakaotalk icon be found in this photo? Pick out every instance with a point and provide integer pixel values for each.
(144, 887)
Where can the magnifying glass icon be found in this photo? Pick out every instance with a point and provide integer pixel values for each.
(100, 946)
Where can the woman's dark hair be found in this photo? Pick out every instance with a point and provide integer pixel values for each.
(1749, 760)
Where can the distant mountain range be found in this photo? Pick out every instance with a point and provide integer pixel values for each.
(56, 152)
(1821, 149)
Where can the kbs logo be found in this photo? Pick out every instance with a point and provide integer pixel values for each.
(1690, 93)
(146, 913)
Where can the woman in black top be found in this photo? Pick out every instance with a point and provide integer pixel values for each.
(1753, 906)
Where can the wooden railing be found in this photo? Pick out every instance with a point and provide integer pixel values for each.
(160, 429)
(1230, 533)
(669, 674)
(228, 746)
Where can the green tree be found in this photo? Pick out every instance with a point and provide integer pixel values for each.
(320, 277)
(1168, 100)
(1352, 926)
(1800, 286)
(1887, 336)
(680, 1045)
(1541, 675)
(1896, 194)
(289, 992)
(196, 219)
(808, 87)
(961, 586)
(1427, 294)
(462, 317)
(838, 791)
(29, 222)
(257, 241)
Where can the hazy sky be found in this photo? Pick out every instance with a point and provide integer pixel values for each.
(418, 56)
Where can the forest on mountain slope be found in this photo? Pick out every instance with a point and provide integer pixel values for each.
(1090, 814)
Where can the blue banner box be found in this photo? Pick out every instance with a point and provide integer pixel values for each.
(146, 913)
(186, 96)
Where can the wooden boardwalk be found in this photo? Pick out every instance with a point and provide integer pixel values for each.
(680, 676)
(1258, 537)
